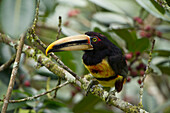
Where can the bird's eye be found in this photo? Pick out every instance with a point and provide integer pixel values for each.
(94, 39)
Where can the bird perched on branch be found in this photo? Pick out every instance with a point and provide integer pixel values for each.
(102, 58)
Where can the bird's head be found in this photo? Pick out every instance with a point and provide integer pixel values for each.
(89, 41)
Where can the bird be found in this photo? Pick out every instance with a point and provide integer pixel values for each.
(103, 59)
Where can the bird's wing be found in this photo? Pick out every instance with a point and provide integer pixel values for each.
(118, 64)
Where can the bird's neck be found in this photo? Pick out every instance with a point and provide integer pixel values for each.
(94, 57)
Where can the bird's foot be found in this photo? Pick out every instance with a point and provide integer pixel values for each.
(110, 96)
(91, 84)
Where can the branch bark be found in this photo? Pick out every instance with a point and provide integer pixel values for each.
(13, 75)
(59, 28)
(146, 73)
(83, 82)
(7, 64)
(38, 41)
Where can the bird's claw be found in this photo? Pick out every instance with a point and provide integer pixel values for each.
(110, 95)
(91, 84)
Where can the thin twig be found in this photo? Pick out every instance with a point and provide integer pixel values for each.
(59, 28)
(59, 82)
(39, 95)
(13, 75)
(38, 41)
(7, 64)
(83, 82)
(64, 66)
(36, 16)
(131, 63)
(146, 73)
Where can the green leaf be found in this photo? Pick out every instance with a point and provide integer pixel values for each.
(165, 62)
(30, 91)
(133, 33)
(50, 104)
(112, 18)
(156, 69)
(18, 94)
(67, 58)
(164, 53)
(12, 106)
(127, 37)
(165, 70)
(119, 26)
(158, 7)
(147, 5)
(31, 103)
(69, 32)
(163, 28)
(140, 45)
(60, 10)
(16, 16)
(83, 106)
(78, 62)
(3, 88)
(126, 7)
(49, 5)
(101, 111)
(130, 37)
(95, 24)
(168, 2)
(55, 110)
(47, 74)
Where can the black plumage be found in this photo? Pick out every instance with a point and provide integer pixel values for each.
(105, 49)
(102, 58)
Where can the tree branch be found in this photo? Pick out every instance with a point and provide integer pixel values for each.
(59, 82)
(7, 64)
(39, 95)
(39, 57)
(146, 73)
(13, 75)
(38, 41)
(124, 106)
(32, 36)
(59, 28)
(83, 82)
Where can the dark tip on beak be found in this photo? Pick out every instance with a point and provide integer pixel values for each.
(72, 43)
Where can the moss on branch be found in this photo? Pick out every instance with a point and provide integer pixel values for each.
(39, 57)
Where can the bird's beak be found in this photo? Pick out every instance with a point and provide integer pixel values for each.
(72, 43)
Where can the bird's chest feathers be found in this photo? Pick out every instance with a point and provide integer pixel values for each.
(101, 70)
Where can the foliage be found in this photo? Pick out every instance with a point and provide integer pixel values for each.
(129, 24)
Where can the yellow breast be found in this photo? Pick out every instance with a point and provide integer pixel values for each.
(101, 70)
